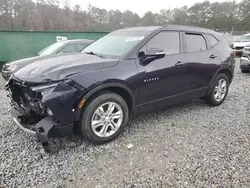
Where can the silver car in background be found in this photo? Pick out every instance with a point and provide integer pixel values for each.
(245, 60)
(62, 47)
(240, 43)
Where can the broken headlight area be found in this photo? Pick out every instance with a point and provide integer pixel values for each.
(44, 108)
(51, 85)
(43, 88)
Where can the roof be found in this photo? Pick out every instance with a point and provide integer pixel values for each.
(187, 28)
(78, 40)
(170, 27)
(146, 28)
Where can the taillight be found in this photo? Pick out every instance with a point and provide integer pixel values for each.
(233, 53)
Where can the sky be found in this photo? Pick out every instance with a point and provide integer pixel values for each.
(138, 6)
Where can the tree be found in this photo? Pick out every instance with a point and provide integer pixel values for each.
(180, 16)
(148, 19)
(58, 15)
(115, 19)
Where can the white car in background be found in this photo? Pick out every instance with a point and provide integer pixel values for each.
(240, 43)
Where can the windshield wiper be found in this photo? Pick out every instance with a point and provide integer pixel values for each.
(92, 53)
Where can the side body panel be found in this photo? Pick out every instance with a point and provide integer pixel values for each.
(124, 76)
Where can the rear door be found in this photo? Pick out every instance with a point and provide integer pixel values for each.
(202, 60)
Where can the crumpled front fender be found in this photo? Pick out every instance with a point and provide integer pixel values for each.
(60, 101)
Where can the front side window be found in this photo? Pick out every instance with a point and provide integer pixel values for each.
(195, 42)
(167, 41)
(117, 43)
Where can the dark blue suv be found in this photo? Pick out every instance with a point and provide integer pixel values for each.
(127, 72)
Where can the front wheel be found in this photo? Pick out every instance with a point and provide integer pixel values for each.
(218, 90)
(104, 118)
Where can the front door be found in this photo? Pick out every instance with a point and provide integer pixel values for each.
(160, 79)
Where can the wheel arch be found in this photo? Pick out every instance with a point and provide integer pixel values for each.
(224, 70)
(120, 89)
(228, 73)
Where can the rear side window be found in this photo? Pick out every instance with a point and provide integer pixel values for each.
(80, 46)
(195, 42)
(69, 49)
(167, 41)
(211, 39)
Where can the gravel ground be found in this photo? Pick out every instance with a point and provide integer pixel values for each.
(188, 145)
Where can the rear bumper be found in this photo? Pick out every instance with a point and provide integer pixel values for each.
(244, 63)
(242, 67)
(238, 52)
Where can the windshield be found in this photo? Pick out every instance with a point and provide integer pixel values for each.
(50, 49)
(244, 38)
(117, 43)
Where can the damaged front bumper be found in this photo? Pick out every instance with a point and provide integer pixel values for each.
(46, 128)
(45, 114)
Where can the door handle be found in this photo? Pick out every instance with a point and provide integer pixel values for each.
(212, 56)
(179, 63)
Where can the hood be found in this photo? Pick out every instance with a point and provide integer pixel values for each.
(241, 44)
(60, 67)
(23, 61)
(26, 61)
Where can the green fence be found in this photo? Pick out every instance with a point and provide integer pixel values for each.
(20, 44)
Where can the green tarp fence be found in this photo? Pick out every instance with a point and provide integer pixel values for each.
(21, 44)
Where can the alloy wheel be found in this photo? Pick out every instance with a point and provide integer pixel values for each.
(107, 119)
(220, 90)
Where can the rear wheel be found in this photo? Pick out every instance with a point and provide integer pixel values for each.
(104, 118)
(218, 90)
(244, 71)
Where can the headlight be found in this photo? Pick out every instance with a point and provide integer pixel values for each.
(44, 87)
(41, 88)
(11, 67)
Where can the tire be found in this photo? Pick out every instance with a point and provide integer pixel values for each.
(244, 71)
(91, 114)
(212, 99)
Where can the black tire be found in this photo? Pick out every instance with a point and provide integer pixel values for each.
(210, 98)
(85, 128)
(244, 71)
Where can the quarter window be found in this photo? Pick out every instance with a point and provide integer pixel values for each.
(212, 40)
(195, 43)
(167, 41)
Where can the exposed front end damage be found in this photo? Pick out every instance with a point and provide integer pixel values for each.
(45, 110)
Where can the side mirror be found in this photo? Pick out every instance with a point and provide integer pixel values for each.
(151, 55)
(155, 52)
